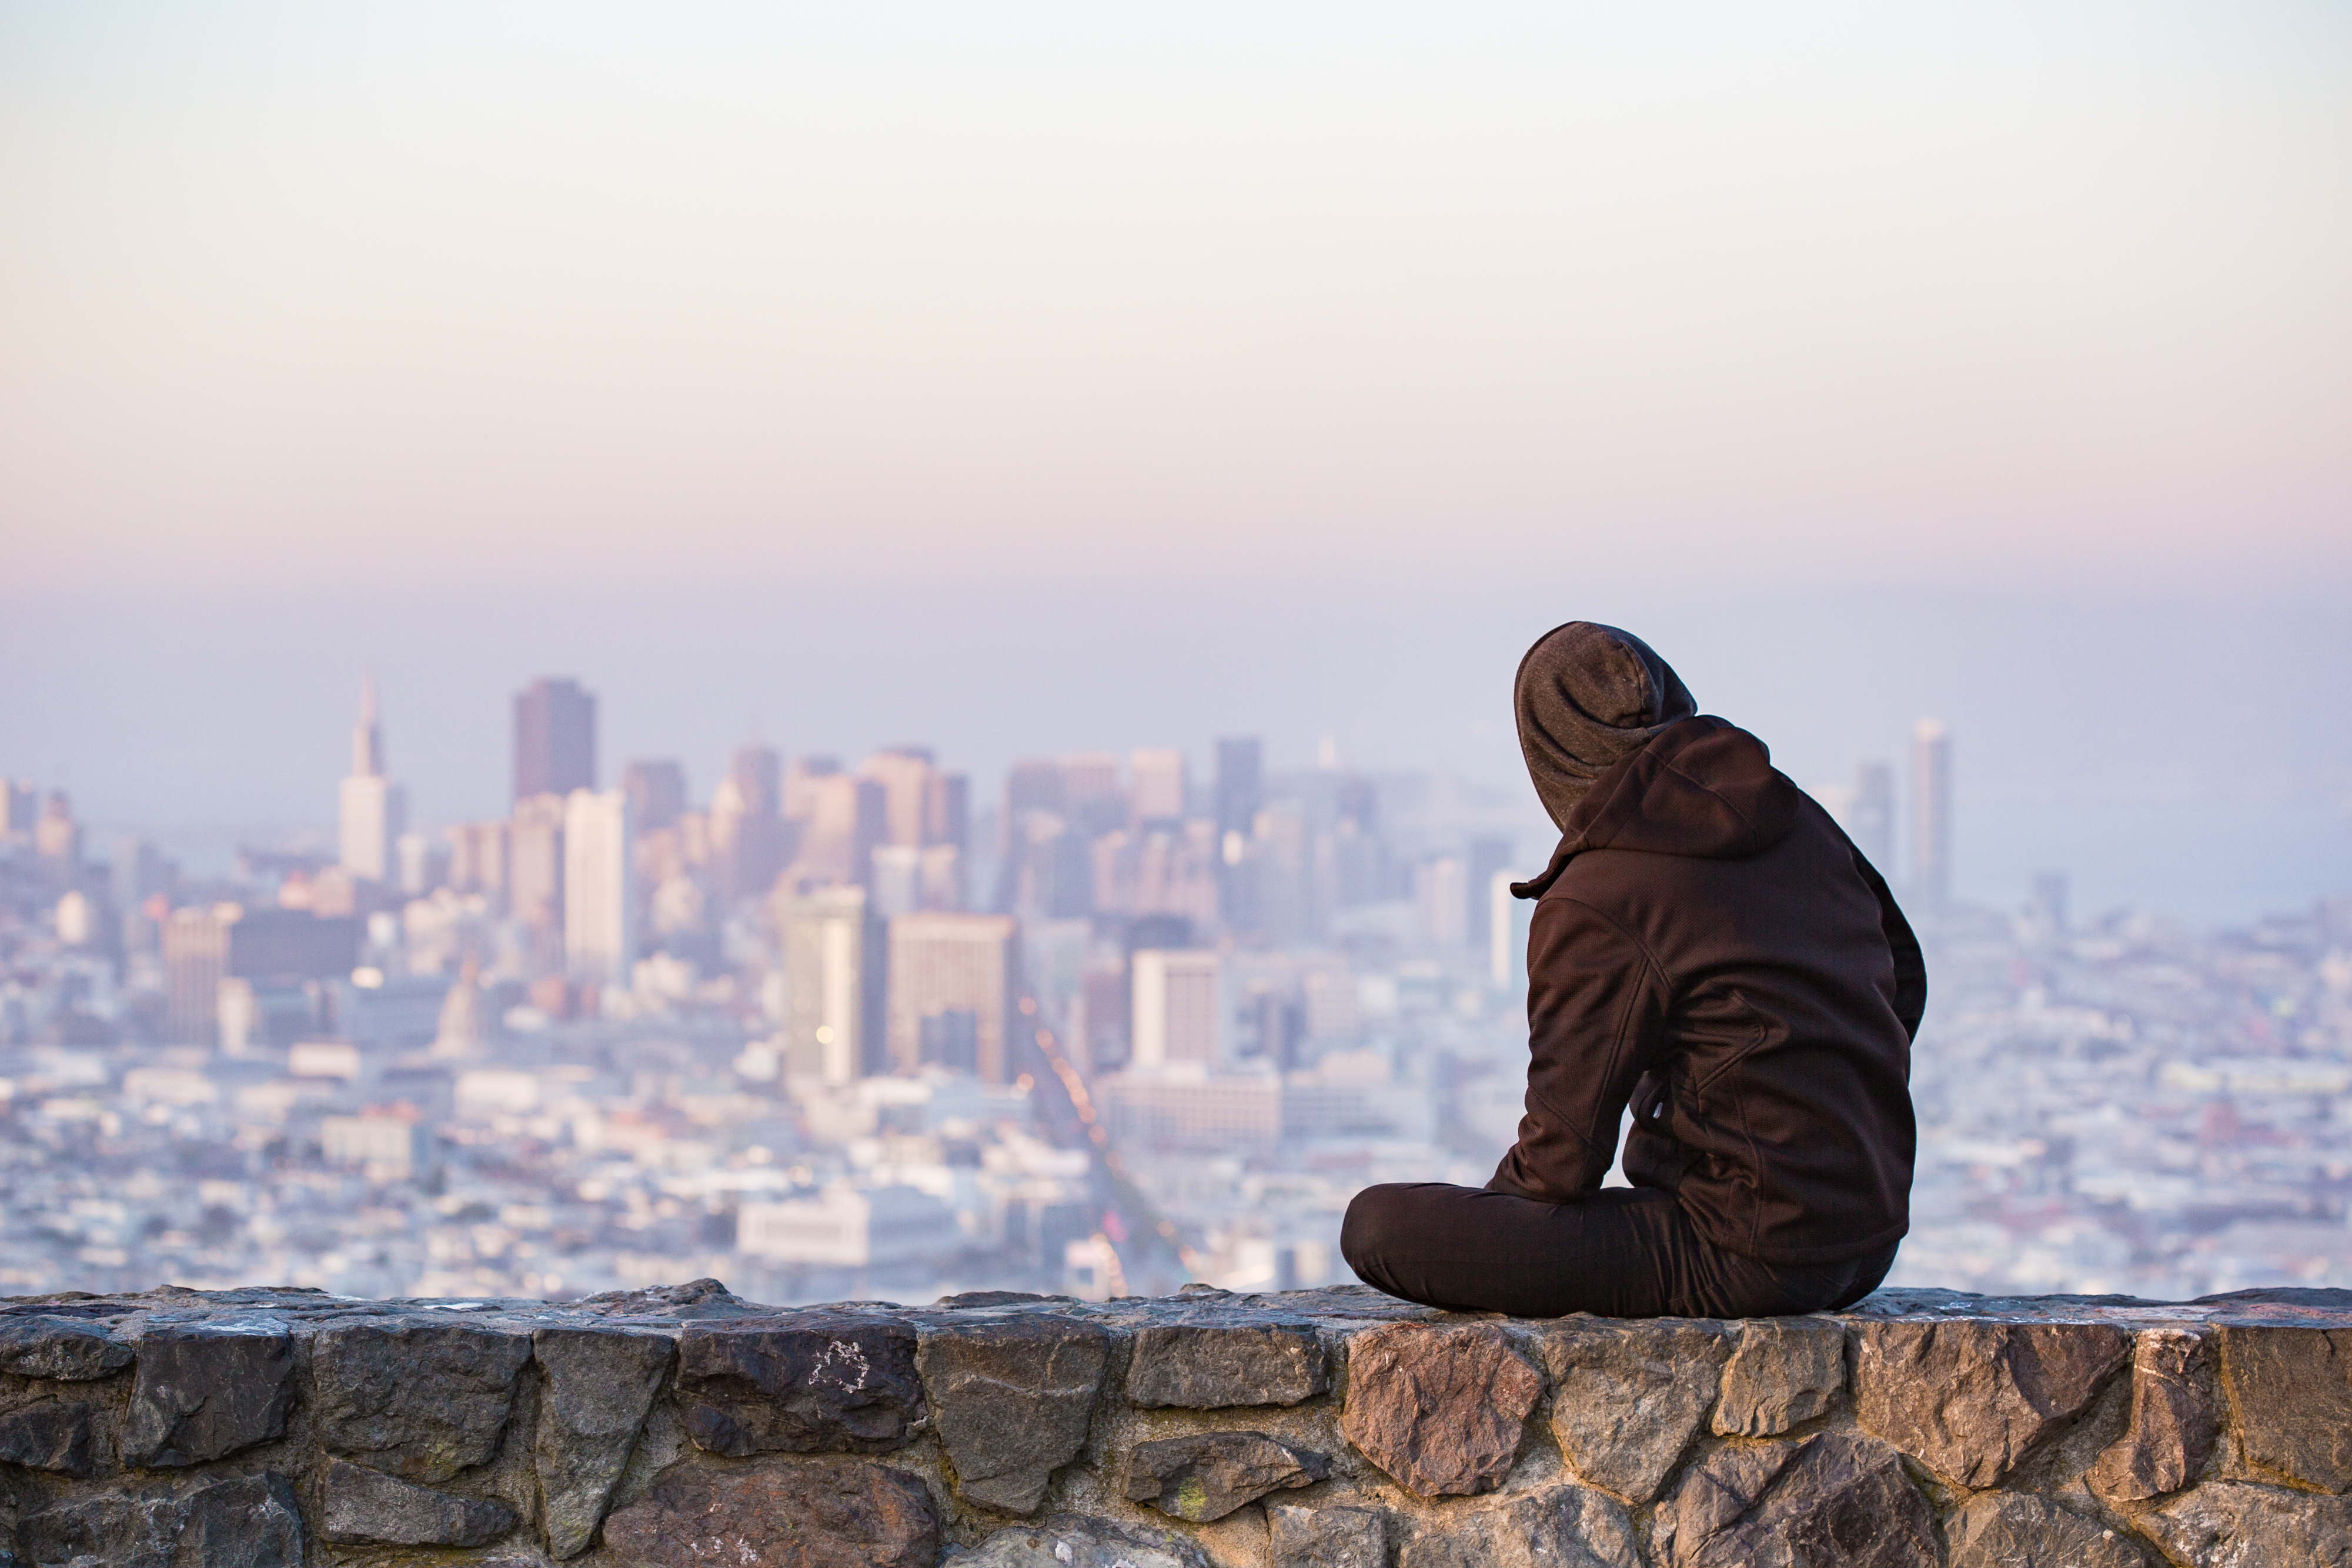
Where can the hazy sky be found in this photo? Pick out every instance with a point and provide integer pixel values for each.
(320, 296)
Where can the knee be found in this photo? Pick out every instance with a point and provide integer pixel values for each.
(1373, 1218)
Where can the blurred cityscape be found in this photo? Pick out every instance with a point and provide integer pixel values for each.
(863, 1031)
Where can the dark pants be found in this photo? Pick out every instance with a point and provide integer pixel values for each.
(1625, 1252)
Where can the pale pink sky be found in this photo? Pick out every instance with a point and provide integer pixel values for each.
(295, 295)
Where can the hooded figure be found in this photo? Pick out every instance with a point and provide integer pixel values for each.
(1710, 950)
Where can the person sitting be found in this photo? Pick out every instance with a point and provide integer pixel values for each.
(1708, 947)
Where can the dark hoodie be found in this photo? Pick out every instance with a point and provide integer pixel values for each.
(1709, 947)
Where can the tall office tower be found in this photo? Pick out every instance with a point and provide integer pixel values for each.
(947, 811)
(478, 857)
(1046, 871)
(897, 881)
(1092, 801)
(195, 961)
(1440, 886)
(554, 738)
(56, 840)
(749, 837)
(1931, 815)
(1873, 815)
(1156, 785)
(1241, 783)
(845, 823)
(1179, 1009)
(1282, 853)
(534, 842)
(600, 899)
(799, 785)
(1488, 856)
(834, 985)
(905, 774)
(954, 963)
(656, 792)
(19, 802)
(1031, 786)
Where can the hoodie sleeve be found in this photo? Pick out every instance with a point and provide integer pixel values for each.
(1595, 1005)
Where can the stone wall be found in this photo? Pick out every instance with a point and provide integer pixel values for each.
(1314, 1429)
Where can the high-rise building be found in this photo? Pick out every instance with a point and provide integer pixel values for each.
(195, 944)
(1155, 784)
(1873, 815)
(1931, 815)
(845, 822)
(954, 963)
(19, 802)
(554, 738)
(600, 902)
(56, 840)
(1488, 856)
(375, 811)
(1179, 1000)
(534, 845)
(1241, 783)
(905, 774)
(799, 784)
(834, 985)
(1092, 801)
(656, 792)
(1440, 886)
(749, 839)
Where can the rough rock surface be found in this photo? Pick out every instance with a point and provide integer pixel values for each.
(418, 1400)
(1560, 1527)
(1442, 1408)
(1327, 1537)
(363, 1505)
(1206, 1475)
(778, 1514)
(1628, 1397)
(1076, 1541)
(1011, 1398)
(1783, 1373)
(2230, 1524)
(2172, 1425)
(40, 1345)
(1825, 1501)
(204, 1394)
(2018, 1529)
(599, 1387)
(249, 1521)
(800, 1383)
(2291, 1390)
(1213, 1366)
(1969, 1398)
(52, 1435)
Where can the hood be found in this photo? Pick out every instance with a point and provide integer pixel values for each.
(1702, 788)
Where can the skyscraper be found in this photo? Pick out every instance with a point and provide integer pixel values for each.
(534, 862)
(555, 739)
(845, 823)
(1931, 815)
(374, 811)
(1179, 1000)
(954, 963)
(905, 774)
(656, 792)
(749, 836)
(834, 985)
(600, 903)
(1873, 815)
(1241, 783)
(1155, 784)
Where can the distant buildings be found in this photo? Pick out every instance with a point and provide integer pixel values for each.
(833, 952)
(1931, 816)
(374, 810)
(600, 903)
(1178, 1010)
(954, 963)
(554, 738)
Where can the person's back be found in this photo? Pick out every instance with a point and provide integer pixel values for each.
(1710, 949)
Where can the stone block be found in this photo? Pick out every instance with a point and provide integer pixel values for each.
(1216, 1367)
(1825, 1501)
(2290, 1393)
(1627, 1397)
(1443, 1408)
(1203, 1476)
(600, 1384)
(804, 1384)
(2018, 1529)
(1300, 1537)
(202, 1393)
(250, 1521)
(53, 1435)
(359, 1506)
(1969, 1397)
(1011, 1398)
(1782, 1373)
(1559, 1527)
(1080, 1541)
(2232, 1524)
(778, 1514)
(63, 1348)
(417, 1400)
(2172, 1423)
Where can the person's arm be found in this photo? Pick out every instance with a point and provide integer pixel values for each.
(1910, 999)
(1594, 1001)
